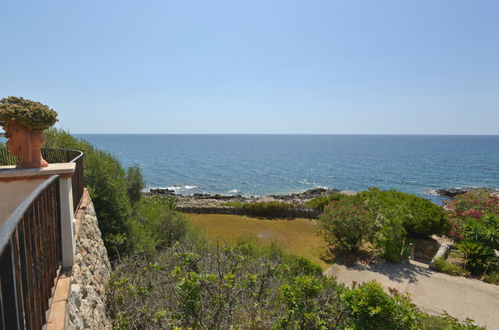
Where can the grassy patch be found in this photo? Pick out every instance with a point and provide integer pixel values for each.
(296, 237)
(449, 267)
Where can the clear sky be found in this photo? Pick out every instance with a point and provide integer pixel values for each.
(382, 67)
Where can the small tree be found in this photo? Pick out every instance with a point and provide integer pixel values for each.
(135, 183)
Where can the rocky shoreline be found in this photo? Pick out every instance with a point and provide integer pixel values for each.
(203, 203)
(453, 192)
(218, 200)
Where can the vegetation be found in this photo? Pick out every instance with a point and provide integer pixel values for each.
(265, 209)
(135, 183)
(245, 286)
(346, 223)
(419, 216)
(155, 225)
(297, 237)
(371, 308)
(448, 267)
(106, 181)
(383, 218)
(446, 322)
(33, 115)
(167, 277)
(321, 202)
(474, 219)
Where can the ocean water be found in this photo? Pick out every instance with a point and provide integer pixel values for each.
(274, 164)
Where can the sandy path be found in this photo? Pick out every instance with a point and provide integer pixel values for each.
(432, 291)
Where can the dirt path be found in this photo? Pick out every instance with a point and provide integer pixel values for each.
(432, 291)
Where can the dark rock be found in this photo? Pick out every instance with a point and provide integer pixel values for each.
(161, 191)
(453, 192)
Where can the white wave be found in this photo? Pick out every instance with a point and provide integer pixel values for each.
(179, 187)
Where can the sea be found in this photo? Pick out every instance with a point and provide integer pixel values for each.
(259, 165)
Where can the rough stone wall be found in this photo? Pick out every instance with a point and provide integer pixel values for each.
(91, 271)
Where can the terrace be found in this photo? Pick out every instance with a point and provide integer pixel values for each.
(37, 235)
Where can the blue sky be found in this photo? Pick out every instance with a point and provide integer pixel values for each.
(360, 67)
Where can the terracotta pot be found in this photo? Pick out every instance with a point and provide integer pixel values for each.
(25, 144)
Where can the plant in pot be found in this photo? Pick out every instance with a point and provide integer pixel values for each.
(24, 122)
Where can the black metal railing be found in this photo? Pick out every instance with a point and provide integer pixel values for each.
(53, 155)
(30, 257)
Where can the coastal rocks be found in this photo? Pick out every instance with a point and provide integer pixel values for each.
(453, 192)
(160, 191)
(218, 200)
(306, 195)
(230, 204)
(91, 271)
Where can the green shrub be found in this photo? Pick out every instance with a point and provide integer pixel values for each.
(478, 256)
(473, 206)
(307, 305)
(347, 224)
(389, 234)
(383, 218)
(106, 181)
(493, 278)
(155, 225)
(448, 267)
(420, 217)
(474, 220)
(321, 202)
(265, 209)
(135, 183)
(371, 308)
(220, 287)
(446, 322)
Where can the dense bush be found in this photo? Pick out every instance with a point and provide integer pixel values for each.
(474, 218)
(106, 181)
(446, 322)
(419, 216)
(241, 286)
(383, 218)
(155, 225)
(265, 209)
(371, 308)
(321, 202)
(246, 287)
(135, 183)
(347, 224)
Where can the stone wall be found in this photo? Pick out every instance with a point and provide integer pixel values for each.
(90, 273)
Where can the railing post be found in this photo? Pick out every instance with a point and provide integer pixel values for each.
(68, 239)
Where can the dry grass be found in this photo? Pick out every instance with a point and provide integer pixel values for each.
(297, 237)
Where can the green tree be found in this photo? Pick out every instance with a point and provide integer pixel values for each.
(106, 181)
(135, 183)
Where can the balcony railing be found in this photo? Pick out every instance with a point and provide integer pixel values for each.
(30, 258)
(36, 241)
(56, 156)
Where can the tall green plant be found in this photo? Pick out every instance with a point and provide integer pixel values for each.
(135, 183)
(105, 179)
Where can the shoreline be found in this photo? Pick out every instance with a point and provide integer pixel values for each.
(217, 203)
(219, 200)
